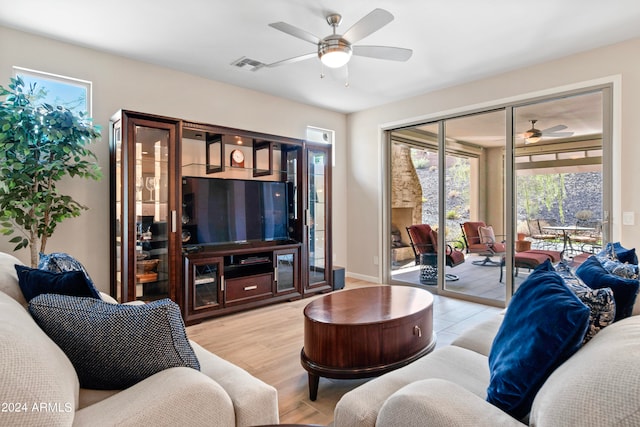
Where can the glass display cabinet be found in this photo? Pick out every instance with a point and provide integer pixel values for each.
(143, 207)
(318, 217)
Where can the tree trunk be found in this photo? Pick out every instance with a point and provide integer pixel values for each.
(33, 247)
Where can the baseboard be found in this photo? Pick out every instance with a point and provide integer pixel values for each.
(371, 279)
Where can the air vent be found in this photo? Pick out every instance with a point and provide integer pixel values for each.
(248, 63)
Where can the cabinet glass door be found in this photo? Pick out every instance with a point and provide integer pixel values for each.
(205, 285)
(317, 216)
(286, 273)
(151, 212)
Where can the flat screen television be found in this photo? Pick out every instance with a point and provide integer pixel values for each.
(233, 210)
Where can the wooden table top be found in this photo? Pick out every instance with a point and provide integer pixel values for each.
(371, 304)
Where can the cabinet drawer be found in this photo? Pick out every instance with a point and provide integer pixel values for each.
(407, 336)
(241, 289)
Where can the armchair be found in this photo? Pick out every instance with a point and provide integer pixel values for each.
(480, 239)
(424, 241)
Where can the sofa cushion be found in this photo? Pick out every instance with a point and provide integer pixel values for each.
(34, 371)
(113, 346)
(601, 302)
(466, 368)
(9, 278)
(34, 282)
(544, 325)
(598, 386)
(624, 290)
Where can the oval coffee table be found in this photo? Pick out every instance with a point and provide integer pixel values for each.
(366, 332)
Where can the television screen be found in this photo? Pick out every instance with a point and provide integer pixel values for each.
(231, 210)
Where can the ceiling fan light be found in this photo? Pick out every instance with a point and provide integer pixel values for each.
(533, 139)
(335, 58)
(532, 135)
(334, 52)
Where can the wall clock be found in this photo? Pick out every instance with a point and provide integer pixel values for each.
(237, 159)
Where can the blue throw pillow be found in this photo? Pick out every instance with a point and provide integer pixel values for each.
(60, 262)
(624, 290)
(34, 282)
(543, 326)
(114, 346)
(617, 251)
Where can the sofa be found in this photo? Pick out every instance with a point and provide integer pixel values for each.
(598, 384)
(40, 385)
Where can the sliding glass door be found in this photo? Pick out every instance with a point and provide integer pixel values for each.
(493, 185)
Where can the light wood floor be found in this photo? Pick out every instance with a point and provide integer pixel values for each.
(267, 341)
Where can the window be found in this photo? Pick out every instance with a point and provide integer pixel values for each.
(73, 94)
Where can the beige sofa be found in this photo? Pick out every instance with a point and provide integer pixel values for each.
(599, 385)
(40, 387)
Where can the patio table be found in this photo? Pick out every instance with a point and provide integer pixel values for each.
(566, 230)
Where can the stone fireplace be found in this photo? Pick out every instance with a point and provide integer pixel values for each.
(406, 202)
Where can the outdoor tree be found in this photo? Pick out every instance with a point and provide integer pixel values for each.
(40, 144)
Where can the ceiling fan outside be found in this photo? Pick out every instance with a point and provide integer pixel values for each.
(336, 50)
(534, 135)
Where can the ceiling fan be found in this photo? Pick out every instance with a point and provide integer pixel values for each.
(534, 135)
(335, 50)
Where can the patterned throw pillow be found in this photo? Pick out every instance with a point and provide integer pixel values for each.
(114, 346)
(59, 262)
(620, 269)
(600, 301)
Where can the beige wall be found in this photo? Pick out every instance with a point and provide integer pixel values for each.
(122, 83)
(619, 63)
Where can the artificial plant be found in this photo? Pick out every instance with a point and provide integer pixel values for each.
(40, 144)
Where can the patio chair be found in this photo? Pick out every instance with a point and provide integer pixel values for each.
(540, 238)
(424, 241)
(480, 239)
(589, 241)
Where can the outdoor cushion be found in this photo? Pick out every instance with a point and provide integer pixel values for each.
(544, 325)
(114, 346)
(34, 282)
(624, 290)
(487, 236)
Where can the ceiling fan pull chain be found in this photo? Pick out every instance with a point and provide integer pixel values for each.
(346, 83)
(321, 70)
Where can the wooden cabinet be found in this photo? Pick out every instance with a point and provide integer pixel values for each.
(215, 218)
(229, 279)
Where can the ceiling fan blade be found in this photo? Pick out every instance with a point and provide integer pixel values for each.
(295, 32)
(370, 23)
(294, 59)
(557, 134)
(383, 52)
(554, 128)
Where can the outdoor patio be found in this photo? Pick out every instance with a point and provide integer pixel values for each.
(474, 280)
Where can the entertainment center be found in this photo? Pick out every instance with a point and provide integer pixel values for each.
(217, 219)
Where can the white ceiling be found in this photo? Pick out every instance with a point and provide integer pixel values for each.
(453, 41)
